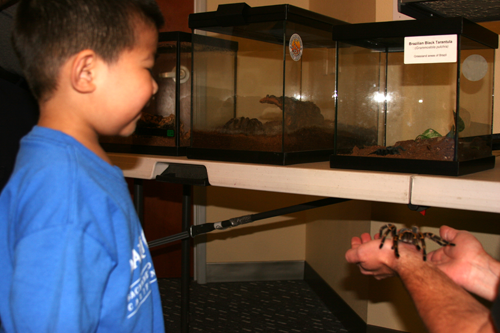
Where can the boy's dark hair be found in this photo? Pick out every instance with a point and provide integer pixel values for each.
(48, 32)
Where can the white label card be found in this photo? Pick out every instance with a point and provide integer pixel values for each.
(430, 49)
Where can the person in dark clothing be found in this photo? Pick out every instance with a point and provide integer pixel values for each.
(19, 109)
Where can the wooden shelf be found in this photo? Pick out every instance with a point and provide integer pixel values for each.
(479, 191)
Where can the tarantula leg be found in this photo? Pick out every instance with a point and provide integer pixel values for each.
(437, 239)
(389, 228)
(416, 238)
(423, 248)
(395, 246)
(382, 241)
(382, 229)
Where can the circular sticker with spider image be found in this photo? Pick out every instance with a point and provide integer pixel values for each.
(296, 47)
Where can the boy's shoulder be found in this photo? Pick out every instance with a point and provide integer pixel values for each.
(49, 157)
(44, 149)
(56, 175)
(44, 146)
(45, 161)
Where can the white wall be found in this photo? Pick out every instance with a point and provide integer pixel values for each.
(275, 239)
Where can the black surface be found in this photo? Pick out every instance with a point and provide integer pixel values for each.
(170, 36)
(260, 157)
(266, 23)
(339, 308)
(270, 306)
(19, 111)
(474, 10)
(187, 174)
(298, 306)
(246, 15)
(496, 141)
(186, 259)
(143, 149)
(380, 32)
(441, 168)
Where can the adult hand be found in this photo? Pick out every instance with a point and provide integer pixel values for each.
(467, 263)
(380, 263)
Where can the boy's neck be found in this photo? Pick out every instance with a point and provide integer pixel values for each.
(74, 128)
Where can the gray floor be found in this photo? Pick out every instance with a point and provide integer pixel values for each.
(275, 306)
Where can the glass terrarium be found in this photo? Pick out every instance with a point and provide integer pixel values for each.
(415, 96)
(274, 103)
(165, 124)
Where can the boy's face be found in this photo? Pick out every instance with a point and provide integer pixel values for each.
(129, 85)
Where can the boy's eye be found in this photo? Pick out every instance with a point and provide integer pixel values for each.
(150, 70)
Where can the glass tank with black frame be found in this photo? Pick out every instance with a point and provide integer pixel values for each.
(275, 103)
(415, 96)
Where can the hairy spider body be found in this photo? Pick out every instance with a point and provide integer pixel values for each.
(388, 151)
(409, 236)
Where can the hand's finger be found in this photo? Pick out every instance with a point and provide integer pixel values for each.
(448, 233)
(438, 256)
(434, 256)
(364, 271)
(355, 242)
(377, 274)
(365, 238)
(352, 256)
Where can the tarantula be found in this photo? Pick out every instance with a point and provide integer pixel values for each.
(409, 236)
(388, 151)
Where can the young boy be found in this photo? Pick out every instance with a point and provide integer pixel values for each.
(74, 257)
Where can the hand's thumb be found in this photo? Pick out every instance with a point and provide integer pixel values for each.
(448, 233)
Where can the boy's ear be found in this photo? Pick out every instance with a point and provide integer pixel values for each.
(83, 71)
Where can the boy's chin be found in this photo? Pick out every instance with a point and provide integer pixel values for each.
(127, 131)
(127, 134)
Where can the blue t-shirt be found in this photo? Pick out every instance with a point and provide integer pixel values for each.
(74, 256)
